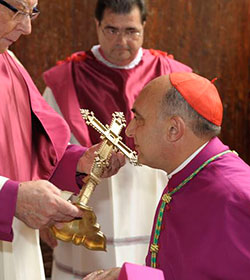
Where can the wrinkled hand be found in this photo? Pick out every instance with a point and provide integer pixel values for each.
(39, 205)
(47, 236)
(85, 163)
(109, 274)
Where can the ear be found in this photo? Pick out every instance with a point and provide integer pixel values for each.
(175, 129)
(97, 24)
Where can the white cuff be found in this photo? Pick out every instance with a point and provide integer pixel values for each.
(2, 181)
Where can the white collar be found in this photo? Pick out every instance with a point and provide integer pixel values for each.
(96, 52)
(186, 162)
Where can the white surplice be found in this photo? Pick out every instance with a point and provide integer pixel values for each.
(124, 205)
(22, 258)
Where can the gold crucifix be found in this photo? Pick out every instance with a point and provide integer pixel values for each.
(86, 231)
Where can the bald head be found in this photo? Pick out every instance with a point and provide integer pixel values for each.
(154, 92)
(24, 5)
(15, 21)
(165, 128)
(168, 101)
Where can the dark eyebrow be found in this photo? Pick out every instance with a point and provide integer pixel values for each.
(110, 26)
(131, 29)
(116, 28)
(135, 112)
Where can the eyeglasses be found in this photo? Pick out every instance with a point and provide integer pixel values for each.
(112, 33)
(20, 15)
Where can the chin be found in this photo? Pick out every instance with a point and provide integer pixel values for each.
(123, 56)
(124, 59)
(143, 161)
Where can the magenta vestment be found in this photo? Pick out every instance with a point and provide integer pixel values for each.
(33, 142)
(130, 271)
(206, 233)
(83, 81)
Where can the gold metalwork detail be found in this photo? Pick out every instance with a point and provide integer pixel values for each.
(86, 231)
(166, 198)
(154, 248)
(111, 133)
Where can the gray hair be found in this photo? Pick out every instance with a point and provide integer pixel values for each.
(173, 104)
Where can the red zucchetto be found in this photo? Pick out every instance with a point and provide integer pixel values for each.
(200, 94)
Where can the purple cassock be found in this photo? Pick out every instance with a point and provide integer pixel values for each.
(84, 81)
(33, 141)
(205, 233)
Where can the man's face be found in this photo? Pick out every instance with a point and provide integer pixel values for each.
(121, 47)
(147, 127)
(12, 27)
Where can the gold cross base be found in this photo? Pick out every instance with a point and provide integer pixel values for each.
(84, 231)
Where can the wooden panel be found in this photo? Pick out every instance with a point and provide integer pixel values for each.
(62, 28)
(211, 36)
(214, 38)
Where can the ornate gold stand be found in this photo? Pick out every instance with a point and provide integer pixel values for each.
(86, 231)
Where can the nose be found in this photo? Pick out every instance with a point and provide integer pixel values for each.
(130, 130)
(121, 38)
(25, 25)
